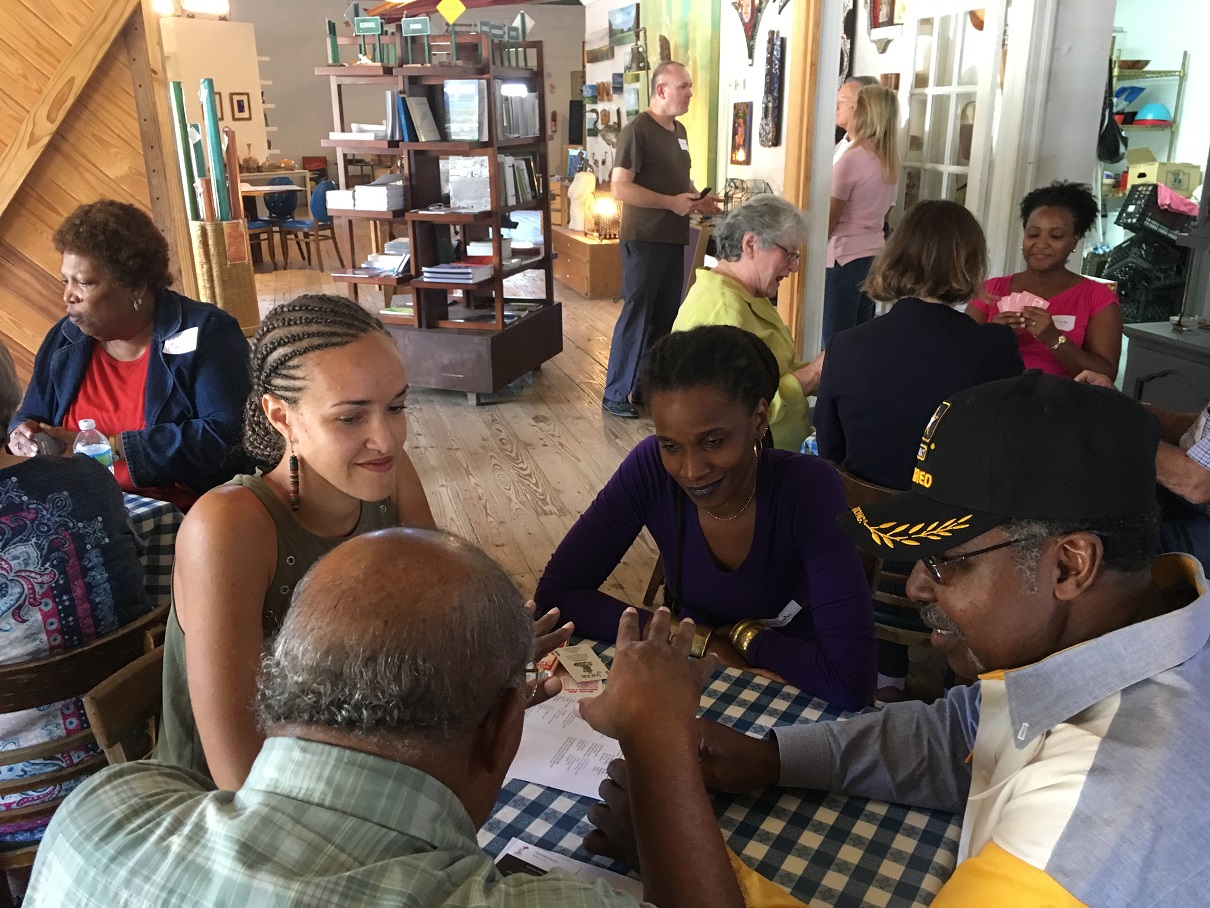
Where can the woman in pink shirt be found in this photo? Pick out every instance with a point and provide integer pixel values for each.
(863, 190)
(1081, 327)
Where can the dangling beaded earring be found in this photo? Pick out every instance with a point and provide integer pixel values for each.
(136, 302)
(295, 498)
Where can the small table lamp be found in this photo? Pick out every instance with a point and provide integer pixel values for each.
(602, 216)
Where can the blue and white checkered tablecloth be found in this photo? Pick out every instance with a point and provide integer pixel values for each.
(826, 849)
(156, 523)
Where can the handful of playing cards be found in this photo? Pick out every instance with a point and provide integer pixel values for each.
(583, 669)
(1015, 302)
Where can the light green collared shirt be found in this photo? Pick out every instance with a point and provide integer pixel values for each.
(314, 825)
(715, 299)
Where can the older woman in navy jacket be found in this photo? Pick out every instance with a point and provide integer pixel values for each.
(164, 376)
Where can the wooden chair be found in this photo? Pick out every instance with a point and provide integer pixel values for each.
(654, 584)
(124, 709)
(262, 233)
(884, 582)
(313, 231)
(695, 257)
(37, 682)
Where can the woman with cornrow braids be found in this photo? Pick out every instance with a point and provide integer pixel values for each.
(326, 422)
(748, 534)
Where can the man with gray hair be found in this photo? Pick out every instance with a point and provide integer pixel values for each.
(392, 713)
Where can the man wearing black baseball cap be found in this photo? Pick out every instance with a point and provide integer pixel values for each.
(1076, 758)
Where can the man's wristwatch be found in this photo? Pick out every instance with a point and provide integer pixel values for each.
(1059, 343)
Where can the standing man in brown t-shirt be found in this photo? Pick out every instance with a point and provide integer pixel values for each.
(651, 179)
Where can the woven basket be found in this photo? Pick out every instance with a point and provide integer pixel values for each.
(223, 259)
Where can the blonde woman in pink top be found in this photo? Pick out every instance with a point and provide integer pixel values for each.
(863, 191)
(1081, 326)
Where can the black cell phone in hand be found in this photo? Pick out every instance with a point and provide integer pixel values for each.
(48, 444)
(705, 192)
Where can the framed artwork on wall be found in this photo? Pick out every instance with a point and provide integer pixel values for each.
(623, 24)
(577, 160)
(241, 105)
(600, 54)
(741, 133)
(886, 13)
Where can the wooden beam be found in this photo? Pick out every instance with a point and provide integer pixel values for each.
(59, 95)
(800, 138)
(145, 53)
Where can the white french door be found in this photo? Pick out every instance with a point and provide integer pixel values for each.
(948, 98)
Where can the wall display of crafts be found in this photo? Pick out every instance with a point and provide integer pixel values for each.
(770, 111)
(749, 15)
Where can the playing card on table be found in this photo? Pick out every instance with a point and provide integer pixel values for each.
(582, 663)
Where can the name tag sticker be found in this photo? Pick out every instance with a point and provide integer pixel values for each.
(785, 617)
(684, 144)
(582, 663)
(1064, 322)
(184, 342)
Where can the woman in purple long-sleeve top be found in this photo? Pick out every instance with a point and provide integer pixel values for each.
(748, 534)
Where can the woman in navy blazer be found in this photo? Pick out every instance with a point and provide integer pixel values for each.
(883, 380)
(194, 374)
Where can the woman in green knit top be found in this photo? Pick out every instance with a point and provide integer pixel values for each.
(758, 244)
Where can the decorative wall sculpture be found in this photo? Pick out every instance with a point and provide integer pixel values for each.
(749, 15)
(770, 110)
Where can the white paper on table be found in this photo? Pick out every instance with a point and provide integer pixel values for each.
(559, 749)
(547, 861)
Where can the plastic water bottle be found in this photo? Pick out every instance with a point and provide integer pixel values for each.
(94, 444)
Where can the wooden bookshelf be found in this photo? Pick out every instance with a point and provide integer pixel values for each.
(458, 336)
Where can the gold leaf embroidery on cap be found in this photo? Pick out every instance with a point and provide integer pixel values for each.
(889, 533)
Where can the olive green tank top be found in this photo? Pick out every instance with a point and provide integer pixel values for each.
(297, 549)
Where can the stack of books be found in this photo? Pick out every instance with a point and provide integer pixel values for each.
(477, 248)
(519, 178)
(378, 197)
(464, 272)
(516, 110)
(340, 199)
(410, 119)
(362, 131)
(394, 265)
(399, 246)
(379, 265)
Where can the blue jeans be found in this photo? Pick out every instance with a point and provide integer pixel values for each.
(652, 277)
(845, 305)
